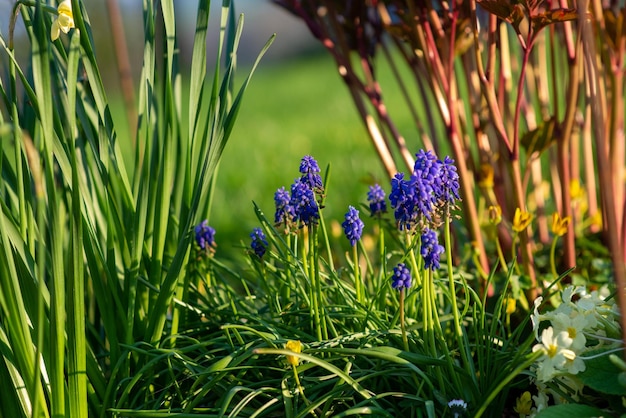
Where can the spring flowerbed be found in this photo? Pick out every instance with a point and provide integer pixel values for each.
(114, 301)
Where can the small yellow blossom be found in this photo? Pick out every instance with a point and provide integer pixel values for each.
(521, 220)
(523, 404)
(296, 347)
(596, 219)
(495, 215)
(64, 22)
(510, 304)
(559, 225)
(486, 176)
(576, 190)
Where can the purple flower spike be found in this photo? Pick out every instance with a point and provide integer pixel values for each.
(376, 199)
(353, 226)
(401, 278)
(304, 204)
(310, 173)
(431, 250)
(205, 235)
(259, 242)
(285, 213)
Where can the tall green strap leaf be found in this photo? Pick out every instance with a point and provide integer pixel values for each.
(77, 351)
(211, 149)
(198, 67)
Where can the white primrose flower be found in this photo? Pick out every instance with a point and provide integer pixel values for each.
(536, 318)
(557, 355)
(574, 325)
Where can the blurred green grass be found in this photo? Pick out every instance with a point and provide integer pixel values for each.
(291, 109)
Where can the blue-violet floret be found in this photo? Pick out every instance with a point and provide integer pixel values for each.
(430, 249)
(310, 173)
(205, 235)
(285, 213)
(259, 242)
(304, 203)
(376, 199)
(352, 226)
(448, 182)
(401, 278)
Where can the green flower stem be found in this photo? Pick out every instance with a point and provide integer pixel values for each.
(285, 289)
(415, 267)
(309, 285)
(358, 286)
(405, 341)
(318, 288)
(300, 388)
(382, 276)
(412, 259)
(431, 320)
(455, 310)
(503, 264)
(553, 256)
(514, 253)
(315, 289)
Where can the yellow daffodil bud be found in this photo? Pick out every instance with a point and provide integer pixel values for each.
(523, 404)
(64, 21)
(521, 220)
(296, 347)
(486, 176)
(495, 214)
(559, 225)
(510, 305)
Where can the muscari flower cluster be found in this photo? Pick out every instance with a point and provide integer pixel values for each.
(205, 235)
(259, 242)
(433, 185)
(300, 206)
(376, 200)
(584, 321)
(352, 226)
(430, 249)
(401, 278)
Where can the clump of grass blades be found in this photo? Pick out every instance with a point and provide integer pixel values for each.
(92, 248)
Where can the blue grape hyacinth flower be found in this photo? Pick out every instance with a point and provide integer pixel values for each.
(430, 249)
(448, 182)
(205, 235)
(376, 200)
(353, 225)
(304, 204)
(259, 242)
(401, 278)
(310, 171)
(410, 199)
(285, 213)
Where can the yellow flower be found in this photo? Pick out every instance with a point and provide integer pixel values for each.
(510, 304)
(559, 225)
(576, 190)
(495, 214)
(486, 176)
(64, 22)
(296, 347)
(521, 220)
(523, 404)
(596, 219)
